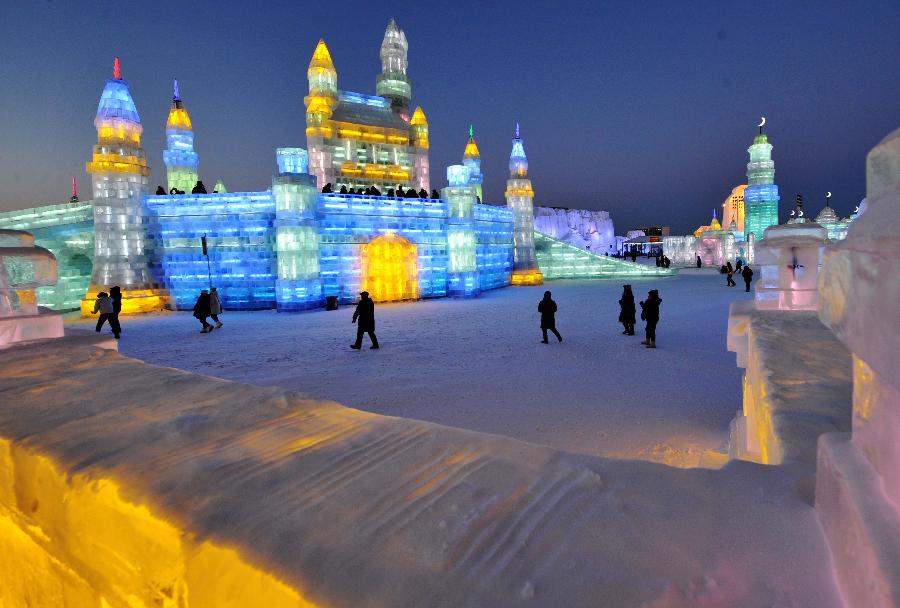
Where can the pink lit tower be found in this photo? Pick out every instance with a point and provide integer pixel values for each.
(520, 198)
(120, 177)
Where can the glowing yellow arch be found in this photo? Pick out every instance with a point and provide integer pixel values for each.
(390, 269)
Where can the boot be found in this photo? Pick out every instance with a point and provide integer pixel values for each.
(647, 342)
(219, 324)
(651, 344)
(355, 346)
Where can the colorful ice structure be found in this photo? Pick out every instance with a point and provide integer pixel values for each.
(472, 160)
(23, 268)
(829, 219)
(358, 140)
(788, 260)
(559, 260)
(120, 178)
(180, 158)
(734, 212)
(585, 228)
(682, 250)
(461, 197)
(520, 198)
(761, 194)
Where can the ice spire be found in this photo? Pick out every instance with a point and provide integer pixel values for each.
(117, 70)
(518, 162)
(392, 83)
(179, 156)
(472, 160)
(74, 197)
(176, 94)
(471, 147)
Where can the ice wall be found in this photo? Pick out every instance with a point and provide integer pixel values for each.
(583, 228)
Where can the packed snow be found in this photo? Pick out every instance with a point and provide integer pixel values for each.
(478, 364)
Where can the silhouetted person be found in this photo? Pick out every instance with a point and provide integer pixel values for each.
(729, 270)
(650, 314)
(115, 295)
(400, 192)
(547, 308)
(747, 273)
(160, 190)
(173, 190)
(699, 262)
(202, 310)
(435, 194)
(738, 265)
(390, 192)
(376, 191)
(423, 193)
(104, 306)
(343, 190)
(411, 193)
(328, 189)
(215, 306)
(198, 188)
(666, 261)
(365, 313)
(627, 308)
(634, 255)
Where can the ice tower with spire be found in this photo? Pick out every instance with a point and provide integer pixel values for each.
(520, 198)
(472, 160)
(180, 158)
(120, 177)
(761, 194)
(393, 84)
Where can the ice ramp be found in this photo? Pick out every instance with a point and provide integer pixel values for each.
(124, 484)
(560, 260)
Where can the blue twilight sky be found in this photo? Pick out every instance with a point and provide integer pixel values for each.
(644, 109)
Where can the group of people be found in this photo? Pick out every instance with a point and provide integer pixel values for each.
(198, 188)
(740, 268)
(208, 306)
(109, 305)
(373, 191)
(649, 314)
(663, 261)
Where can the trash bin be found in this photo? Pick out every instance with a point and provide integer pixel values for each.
(331, 303)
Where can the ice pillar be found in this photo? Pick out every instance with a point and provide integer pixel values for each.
(460, 195)
(520, 198)
(761, 194)
(299, 285)
(180, 158)
(472, 160)
(120, 177)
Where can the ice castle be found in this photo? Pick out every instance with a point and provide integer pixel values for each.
(302, 241)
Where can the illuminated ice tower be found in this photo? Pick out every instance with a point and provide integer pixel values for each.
(393, 84)
(520, 198)
(472, 160)
(761, 194)
(120, 177)
(180, 158)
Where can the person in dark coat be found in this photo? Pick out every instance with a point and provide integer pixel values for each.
(699, 262)
(198, 188)
(115, 294)
(400, 193)
(343, 190)
(202, 311)
(328, 189)
(365, 313)
(104, 306)
(160, 190)
(650, 314)
(423, 193)
(729, 270)
(627, 308)
(547, 308)
(738, 265)
(634, 255)
(747, 273)
(435, 194)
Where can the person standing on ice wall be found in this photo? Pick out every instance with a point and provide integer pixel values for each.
(747, 273)
(626, 305)
(547, 308)
(650, 314)
(365, 312)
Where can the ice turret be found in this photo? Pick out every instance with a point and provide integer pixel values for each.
(393, 84)
(180, 158)
(761, 195)
(520, 198)
(120, 177)
(472, 160)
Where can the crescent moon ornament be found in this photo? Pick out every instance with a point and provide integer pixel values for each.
(828, 195)
(763, 123)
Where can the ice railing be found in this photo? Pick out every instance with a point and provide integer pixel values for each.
(368, 204)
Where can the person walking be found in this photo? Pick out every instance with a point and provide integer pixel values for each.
(699, 262)
(547, 308)
(729, 270)
(215, 306)
(747, 273)
(650, 314)
(115, 295)
(365, 313)
(201, 311)
(627, 310)
(738, 265)
(104, 306)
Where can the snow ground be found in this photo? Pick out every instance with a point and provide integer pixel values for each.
(478, 364)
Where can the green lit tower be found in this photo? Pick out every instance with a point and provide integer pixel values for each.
(761, 195)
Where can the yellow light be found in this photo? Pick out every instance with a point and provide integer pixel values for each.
(134, 302)
(390, 269)
(520, 192)
(471, 150)
(526, 277)
(178, 119)
(418, 117)
(321, 59)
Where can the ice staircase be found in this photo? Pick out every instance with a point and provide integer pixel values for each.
(560, 260)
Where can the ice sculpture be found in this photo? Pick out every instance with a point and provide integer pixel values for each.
(761, 194)
(829, 219)
(180, 158)
(584, 228)
(299, 284)
(472, 160)
(858, 477)
(358, 140)
(682, 250)
(460, 195)
(520, 198)
(715, 246)
(23, 268)
(120, 178)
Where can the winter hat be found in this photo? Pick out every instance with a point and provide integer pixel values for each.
(102, 294)
(654, 293)
(203, 292)
(364, 294)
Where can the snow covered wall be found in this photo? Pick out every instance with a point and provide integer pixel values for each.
(583, 228)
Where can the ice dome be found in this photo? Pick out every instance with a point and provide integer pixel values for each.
(827, 216)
